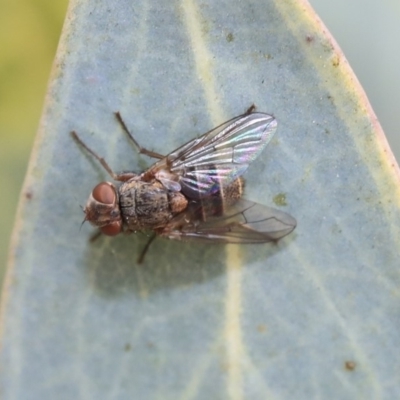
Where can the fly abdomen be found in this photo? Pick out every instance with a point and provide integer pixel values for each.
(220, 201)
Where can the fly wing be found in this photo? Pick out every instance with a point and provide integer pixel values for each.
(244, 222)
(219, 156)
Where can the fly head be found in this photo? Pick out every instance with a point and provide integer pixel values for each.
(102, 209)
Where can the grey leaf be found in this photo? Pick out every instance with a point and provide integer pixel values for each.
(316, 316)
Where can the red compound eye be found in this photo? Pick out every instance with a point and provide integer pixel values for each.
(104, 193)
(112, 229)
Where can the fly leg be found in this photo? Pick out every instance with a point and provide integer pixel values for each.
(144, 251)
(94, 236)
(122, 177)
(141, 149)
(251, 109)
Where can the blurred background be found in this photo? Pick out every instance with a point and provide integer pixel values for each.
(368, 31)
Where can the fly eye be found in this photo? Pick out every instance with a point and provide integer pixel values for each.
(104, 193)
(112, 229)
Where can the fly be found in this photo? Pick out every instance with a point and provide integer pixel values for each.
(193, 193)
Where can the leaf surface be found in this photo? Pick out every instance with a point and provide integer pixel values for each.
(315, 316)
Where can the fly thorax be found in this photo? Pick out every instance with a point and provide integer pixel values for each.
(148, 205)
(127, 202)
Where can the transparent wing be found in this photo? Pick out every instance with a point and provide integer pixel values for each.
(244, 222)
(219, 156)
